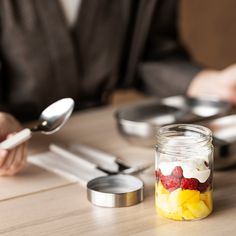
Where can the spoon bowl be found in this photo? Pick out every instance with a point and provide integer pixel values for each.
(50, 121)
(54, 116)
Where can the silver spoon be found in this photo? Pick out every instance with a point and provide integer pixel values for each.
(50, 121)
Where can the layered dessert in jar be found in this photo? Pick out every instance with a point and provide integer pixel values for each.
(183, 189)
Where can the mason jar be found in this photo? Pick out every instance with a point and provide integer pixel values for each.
(184, 171)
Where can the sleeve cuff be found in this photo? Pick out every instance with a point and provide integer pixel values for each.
(167, 78)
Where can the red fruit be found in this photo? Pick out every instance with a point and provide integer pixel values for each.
(190, 183)
(177, 172)
(170, 182)
(157, 173)
(202, 187)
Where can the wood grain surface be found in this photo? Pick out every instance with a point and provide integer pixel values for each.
(40, 203)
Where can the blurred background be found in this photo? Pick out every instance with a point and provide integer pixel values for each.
(208, 30)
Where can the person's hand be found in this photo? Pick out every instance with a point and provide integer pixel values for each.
(11, 161)
(216, 84)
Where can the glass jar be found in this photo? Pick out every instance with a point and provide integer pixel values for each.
(184, 170)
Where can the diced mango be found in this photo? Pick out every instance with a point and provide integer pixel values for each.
(207, 198)
(164, 208)
(175, 199)
(182, 204)
(195, 197)
(160, 188)
(198, 209)
(187, 215)
(162, 202)
(179, 197)
(170, 215)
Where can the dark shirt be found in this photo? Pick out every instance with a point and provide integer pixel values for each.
(125, 43)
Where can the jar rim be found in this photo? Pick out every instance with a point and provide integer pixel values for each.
(191, 134)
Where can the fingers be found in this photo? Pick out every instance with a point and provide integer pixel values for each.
(229, 95)
(3, 157)
(14, 161)
(230, 71)
(205, 84)
(8, 125)
(221, 85)
(8, 162)
(11, 161)
(20, 160)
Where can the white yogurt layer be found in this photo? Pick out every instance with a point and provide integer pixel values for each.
(191, 169)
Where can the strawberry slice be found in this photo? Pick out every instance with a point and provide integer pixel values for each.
(178, 172)
(157, 173)
(170, 182)
(189, 183)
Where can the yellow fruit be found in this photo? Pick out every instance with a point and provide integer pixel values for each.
(170, 215)
(207, 198)
(182, 204)
(187, 215)
(195, 197)
(179, 197)
(165, 208)
(162, 202)
(198, 209)
(174, 198)
(203, 196)
(160, 189)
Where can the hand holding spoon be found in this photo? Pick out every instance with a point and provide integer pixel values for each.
(50, 121)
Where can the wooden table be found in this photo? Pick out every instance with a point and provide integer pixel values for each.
(37, 202)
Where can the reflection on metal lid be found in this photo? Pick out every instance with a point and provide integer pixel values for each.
(115, 191)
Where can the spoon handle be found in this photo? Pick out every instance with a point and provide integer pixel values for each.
(16, 139)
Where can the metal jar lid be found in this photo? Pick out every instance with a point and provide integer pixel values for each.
(115, 191)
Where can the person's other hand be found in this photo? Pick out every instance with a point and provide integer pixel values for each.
(11, 161)
(216, 84)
